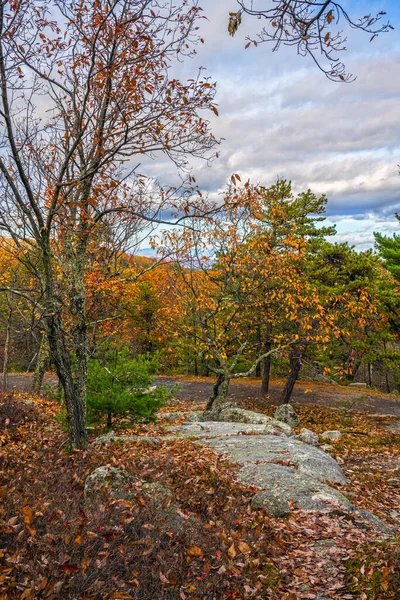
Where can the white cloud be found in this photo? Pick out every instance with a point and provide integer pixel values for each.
(281, 117)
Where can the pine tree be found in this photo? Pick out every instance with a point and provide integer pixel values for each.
(389, 248)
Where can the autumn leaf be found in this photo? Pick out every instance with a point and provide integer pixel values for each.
(244, 548)
(330, 17)
(231, 552)
(69, 568)
(27, 514)
(194, 551)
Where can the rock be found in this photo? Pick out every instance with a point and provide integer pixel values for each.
(331, 435)
(218, 428)
(372, 520)
(105, 439)
(308, 437)
(300, 457)
(283, 468)
(287, 414)
(326, 447)
(194, 416)
(157, 492)
(288, 484)
(358, 385)
(110, 483)
(231, 413)
(278, 428)
(273, 504)
(110, 438)
(171, 416)
(106, 483)
(207, 429)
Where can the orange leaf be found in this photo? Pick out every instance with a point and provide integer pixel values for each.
(194, 551)
(68, 568)
(27, 513)
(232, 552)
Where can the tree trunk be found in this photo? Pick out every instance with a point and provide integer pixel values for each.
(258, 367)
(71, 367)
(369, 374)
(295, 366)
(74, 389)
(7, 350)
(387, 383)
(267, 360)
(38, 375)
(215, 392)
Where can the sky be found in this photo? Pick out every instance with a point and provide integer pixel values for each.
(281, 117)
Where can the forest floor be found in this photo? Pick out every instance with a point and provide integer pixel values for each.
(51, 548)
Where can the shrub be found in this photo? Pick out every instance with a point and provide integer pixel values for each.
(119, 386)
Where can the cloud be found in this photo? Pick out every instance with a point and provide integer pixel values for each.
(281, 117)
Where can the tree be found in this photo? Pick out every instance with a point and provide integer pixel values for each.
(389, 249)
(363, 299)
(239, 269)
(66, 164)
(308, 25)
(119, 386)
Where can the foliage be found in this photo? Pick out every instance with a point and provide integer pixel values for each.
(119, 386)
(66, 187)
(311, 26)
(389, 248)
(51, 548)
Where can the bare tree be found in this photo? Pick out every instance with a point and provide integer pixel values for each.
(312, 26)
(86, 91)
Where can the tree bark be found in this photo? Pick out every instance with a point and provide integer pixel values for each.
(40, 366)
(295, 367)
(258, 367)
(369, 374)
(267, 360)
(73, 380)
(215, 393)
(7, 350)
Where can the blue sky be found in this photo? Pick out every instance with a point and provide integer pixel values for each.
(281, 117)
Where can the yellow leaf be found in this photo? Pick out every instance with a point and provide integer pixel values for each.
(244, 548)
(27, 513)
(194, 551)
(232, 551)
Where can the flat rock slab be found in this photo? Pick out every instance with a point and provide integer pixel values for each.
(308, 493)
(205, 429)
(283, 468)
(303, 458)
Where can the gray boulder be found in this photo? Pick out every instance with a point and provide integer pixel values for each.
(232, 415)
(302, 458)
(286, 483)
(308, 437)
(287, 414)
(105, 483)
(326, 447)
(275, 505)
(111, 438)
(110, 483)
(331, 435)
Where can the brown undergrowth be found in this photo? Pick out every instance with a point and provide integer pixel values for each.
(51, 547)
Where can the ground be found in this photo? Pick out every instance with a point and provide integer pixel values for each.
(305, 392)
(52, 548)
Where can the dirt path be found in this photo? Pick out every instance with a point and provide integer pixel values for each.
(198, 389)
(305, 392)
